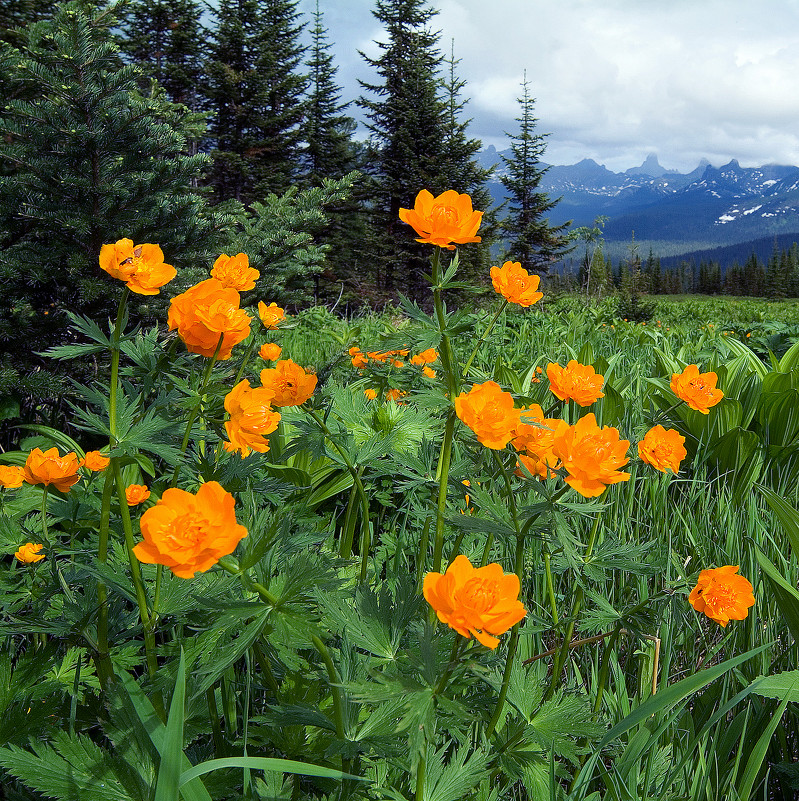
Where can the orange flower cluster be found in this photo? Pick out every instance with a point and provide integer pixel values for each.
(489, 412)
(290, 384)
(141, 267)
(234, 272)
(395, 394)
(697, 389)
(190, 533)
(270, 351)
(11, 476)
(95, 461)
(535, 435)
(29, 553)
(445, 221)
(476, 602)
(271, 316)
(206, 312)
(359, 359)
(50, 469)
(251, 418)
(663, 449)
(577, 382)
(515, 284)
(591, 456)
(722, 595)
(136, 494)
(425, 357)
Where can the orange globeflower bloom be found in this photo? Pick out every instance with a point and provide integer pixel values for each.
(251, 418)
(359, 360)
(443, 220)
(271, 315)
(95, 461)
(489, 412)
(515, 284)
(662, 448)
(395, 394)
(270, 351)
(722, 595)
(11, 476)
(534, 435)
(141, 267)
(190, 533)
(425, 357)
(291, 385)
(697, 389)
(476, 602)
(235, 272)
(591, 455)
(577, 382)
(29, 552)
(49, 468)
(429, 371)
(370, 394)
(136, 494)
(206, 312)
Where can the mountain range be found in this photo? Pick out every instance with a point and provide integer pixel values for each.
(671, 212)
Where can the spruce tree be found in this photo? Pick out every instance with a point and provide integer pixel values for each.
(534, 242)
(255, 93)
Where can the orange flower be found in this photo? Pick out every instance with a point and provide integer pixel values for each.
(443, 220)
(534, 435)
(205, 312)
(270, 351)
(11, 476)
(425, 357)
(235, 272)
(429, 371)
(722, 595)
(577, 382)
(697, 389)
(29, 553)
(49, 468)
(489, 412)
(136, 494)
(663, 449)
(251, 418)
(291, 385)
(141, 267)
(477, 602)
(591, 455)
(271, 315)
(370, 394)
(359, 361)
(515, 284)
(95, 461)
(395, 394)
(190, 533)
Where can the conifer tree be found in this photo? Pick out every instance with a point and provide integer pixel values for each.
(255, 94)
(533, 241)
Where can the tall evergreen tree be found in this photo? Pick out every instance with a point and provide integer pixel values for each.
(533, 241)
(256, 96)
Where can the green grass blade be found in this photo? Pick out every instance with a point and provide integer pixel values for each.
(786, 514)
(786, 596)
(169, 771)
(265, 763)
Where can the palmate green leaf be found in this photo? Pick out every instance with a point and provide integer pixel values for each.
(453, 776)
(778, 685)
(561, 722)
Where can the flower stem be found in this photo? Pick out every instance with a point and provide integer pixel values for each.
(483, 338)
(226, 563)
(45, 532)
(442, 476)
(105, 668)
(114, 382)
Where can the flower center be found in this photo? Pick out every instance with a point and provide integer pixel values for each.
(479, 594)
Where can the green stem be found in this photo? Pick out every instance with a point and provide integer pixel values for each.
(105, 668)
(114, 382)
(664, 414)
(348, 533)
(45, 532)
(442, 476)
(604, 669)
(550, 586)
(483, 338)
(424, 542)
(244, 362)
(226, 563)
(458, 647)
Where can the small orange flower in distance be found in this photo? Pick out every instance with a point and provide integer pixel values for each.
(534, 436)
(425, 357)
(476, 602)
(271, 316)
(136, 494)
(370, 394)
(515, 284)
(395, 394)
(205, 312)
(190, 533)
(291, 385)
(270, 351)
(489, 412)
(429, 371)
(697, 389)
(577, 382)
(359, 360)
(722, 595)
(49, 468)
(29, 553)
(591, 455)
(252, 418)
(235, 272)
(11, 476)
(443, 220)
(95, 461)
(663, 449)
(141, 267)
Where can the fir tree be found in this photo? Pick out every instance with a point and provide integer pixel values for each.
(255, 94)
(533, 241)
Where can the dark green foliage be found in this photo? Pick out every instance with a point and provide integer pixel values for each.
(255, 94)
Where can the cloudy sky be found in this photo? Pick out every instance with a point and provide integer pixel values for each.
(615, 80)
